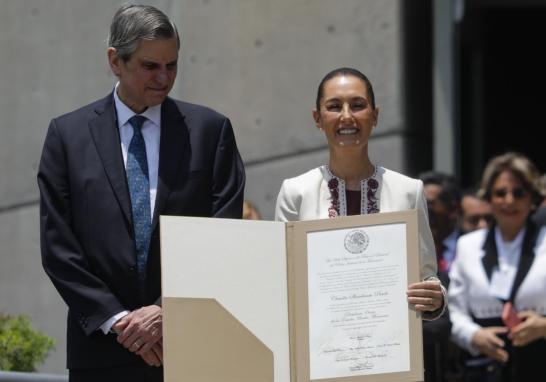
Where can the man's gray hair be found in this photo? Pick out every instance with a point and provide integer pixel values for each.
(133, 23)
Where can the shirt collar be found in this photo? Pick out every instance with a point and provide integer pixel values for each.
(124, 113)
(451, 241)
(516, 243)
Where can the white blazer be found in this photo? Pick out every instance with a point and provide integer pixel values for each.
(307, 197)
(469, 287)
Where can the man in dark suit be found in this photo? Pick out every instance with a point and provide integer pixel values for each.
(443, 195)
(108, 170)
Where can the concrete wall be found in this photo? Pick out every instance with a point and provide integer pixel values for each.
(259, 62)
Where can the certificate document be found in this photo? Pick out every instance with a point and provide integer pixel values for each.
(311, 301)
(358, 310)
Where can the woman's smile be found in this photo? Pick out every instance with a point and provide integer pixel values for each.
(346, 113)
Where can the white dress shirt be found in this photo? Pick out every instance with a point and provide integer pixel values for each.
(151, 131)
(509, 253)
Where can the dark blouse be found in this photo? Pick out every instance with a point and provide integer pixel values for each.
(353, 202)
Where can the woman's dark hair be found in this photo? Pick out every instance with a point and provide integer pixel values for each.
(345, 72)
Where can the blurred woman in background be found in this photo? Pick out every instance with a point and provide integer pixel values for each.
(497, 298)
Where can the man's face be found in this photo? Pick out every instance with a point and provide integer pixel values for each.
(148, 76)
(442, 217)
(476, 214)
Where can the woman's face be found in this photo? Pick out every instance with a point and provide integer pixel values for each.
(511, 202)
(346, 115)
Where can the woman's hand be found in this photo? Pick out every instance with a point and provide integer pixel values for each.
(488, 342)
(426, 296)
(532, 328)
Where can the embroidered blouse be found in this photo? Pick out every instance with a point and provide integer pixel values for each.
(369, 195)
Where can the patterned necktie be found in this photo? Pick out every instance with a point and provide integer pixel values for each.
(139, 189)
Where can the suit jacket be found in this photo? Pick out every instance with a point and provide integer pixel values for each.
(307, 197)
(539, 216)
(469, 299)
(87, 242)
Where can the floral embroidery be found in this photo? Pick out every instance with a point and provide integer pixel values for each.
(373, 185)
(369, 203)
(333, 211)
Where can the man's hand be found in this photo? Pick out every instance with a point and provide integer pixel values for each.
(488, 342)
(532, 328)
(154, 356)
(426, 296)
(140, 330)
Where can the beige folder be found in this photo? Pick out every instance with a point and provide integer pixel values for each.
(235, 298)
(206, 343)
(225, 300)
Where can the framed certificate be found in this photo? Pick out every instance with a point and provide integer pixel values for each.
(321, 300)
(347, 299)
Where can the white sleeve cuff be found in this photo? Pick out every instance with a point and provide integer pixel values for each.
(431, 316)
(107, 325)
(468, 334)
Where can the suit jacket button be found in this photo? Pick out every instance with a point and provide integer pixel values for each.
(132, 269)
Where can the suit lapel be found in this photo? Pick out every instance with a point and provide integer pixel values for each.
(526, 258)
(106, 136)
(173, 146)
(491, 258)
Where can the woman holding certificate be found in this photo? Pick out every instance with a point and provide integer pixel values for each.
(351, 184)
(496, 296)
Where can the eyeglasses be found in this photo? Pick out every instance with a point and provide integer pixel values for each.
(475, 219)
(517, 193)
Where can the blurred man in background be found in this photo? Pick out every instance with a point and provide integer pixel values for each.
(475, 213)
(443, 202)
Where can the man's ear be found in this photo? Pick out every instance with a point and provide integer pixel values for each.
(114, 60)
(316, 117)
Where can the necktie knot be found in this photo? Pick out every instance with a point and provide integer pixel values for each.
(137, 121)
